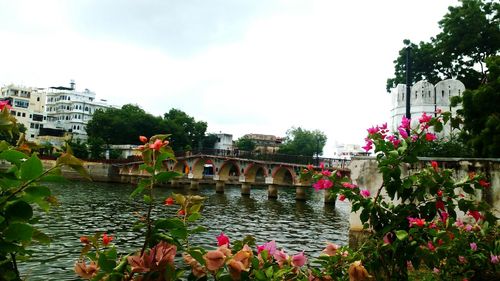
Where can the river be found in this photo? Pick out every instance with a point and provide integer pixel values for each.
(87, 207)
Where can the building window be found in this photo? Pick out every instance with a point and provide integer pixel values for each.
(32, 125)
(32, 136)
(24, 114)
(21, 103)
(38, 99)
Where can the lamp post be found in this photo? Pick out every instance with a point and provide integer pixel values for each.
(317, 151)
(408, 82)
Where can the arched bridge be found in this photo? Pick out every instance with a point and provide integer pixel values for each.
(221, 170)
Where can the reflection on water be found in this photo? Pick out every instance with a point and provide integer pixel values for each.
(89, 207)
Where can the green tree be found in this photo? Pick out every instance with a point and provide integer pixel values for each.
(209, 141)
(79, 148)
(481, 112)
(185, 129)
(470, 34)
(245, 144)
(303, 142)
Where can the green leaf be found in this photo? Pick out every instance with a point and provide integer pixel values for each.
(19, 211)
(31, 169)
(53, 178)
(193, 217)
(195, 208)
(41, 237)
(13, 156)
(147, 199)
(18, 232)
(37, 191)
(269, 272)
(197, 255)
(74, 163)
(166, 176)
(197, 229)
(401, 234)
(143, 183)
(106, 264)
(1, 219)
(169, 223)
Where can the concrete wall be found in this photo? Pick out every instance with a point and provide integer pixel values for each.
(365, 174)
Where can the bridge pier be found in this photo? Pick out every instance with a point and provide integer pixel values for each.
(219, 186)
(300, 193)
(329, 200)
(245, 189)
(272, 191)
(195, 185)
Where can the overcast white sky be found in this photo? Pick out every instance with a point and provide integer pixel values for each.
(249, 66)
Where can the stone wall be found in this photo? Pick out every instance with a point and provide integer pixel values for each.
(102, 172)
(365, 174)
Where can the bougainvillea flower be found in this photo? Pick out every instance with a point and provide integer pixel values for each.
(5, 104)
(444, 216)
(475, 214)
(322, 184)
(225, 250)
(156, 145)
(349, 185)
(462, 259)
(331, 249)
(440, 205)
(440, 193)
(240, 262)
(84, 271)
(181, 212)
(405, 123)
(484, 183)
(372, 130)
(156, 259)
(143, 139)
(403, 133)
(494, 259)
(431, 246)
(214, 260)
(416, 221)
(341, 197)
(281, 257)
(299, 259)
(326, 173)
(424, 118)
(269, 246)
(473, 246)
(222, 239)
(434, 165)
(106, 239)
(365, 193)
(430, 136)
(169, 201)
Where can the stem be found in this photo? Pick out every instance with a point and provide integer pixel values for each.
(150, 207)
(14, 263)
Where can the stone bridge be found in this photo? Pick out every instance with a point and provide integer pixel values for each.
(221, 170)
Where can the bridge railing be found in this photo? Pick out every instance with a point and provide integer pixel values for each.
(270, 157)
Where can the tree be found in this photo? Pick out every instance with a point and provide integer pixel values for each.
(245, 144)
(470, 34)
(481, 113)
(185, 129)
(303, 142)
(209, 141)
(79, 148)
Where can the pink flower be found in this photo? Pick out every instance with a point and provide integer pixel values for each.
(365, 193)
(156, 145)
(405, 123)
(438, 111)
(425, 118)
(326, 173)
(402, 132)
(444, 216)
(383, 127)
(416, 221)
(473, 246)
(435, 270)
(348, 185)
(341, 197)
(367, 147)
(462, 259)
(484, 183)
(431, 246)
(331, 249)
(494, 259)
(222, 239)
(322, 165)
(299, 259)
(388, 238)
(322, 184)
(440, 205)
(468, 228)
(372, 130)
(459, 223)
(106, 239)
(269, 246)
(5, 104)
(434, 165)
(430, 136)
(143, 139)
(281, 257)
(475, 214)
(414, 138)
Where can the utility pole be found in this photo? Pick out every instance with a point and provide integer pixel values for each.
(408, 82)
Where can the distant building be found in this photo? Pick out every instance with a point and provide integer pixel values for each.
(224, 141)
(70, 110)
(424, 97)
(347, 151)
(28, 106)
(265, 143)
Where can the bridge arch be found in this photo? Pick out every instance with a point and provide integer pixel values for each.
(284, 175)
(229, 168)
(198, 168)
(254, 172)
(181, 167)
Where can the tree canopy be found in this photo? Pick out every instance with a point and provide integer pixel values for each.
(299, 141)
(125, 125)
(470, 33)
(245, 144)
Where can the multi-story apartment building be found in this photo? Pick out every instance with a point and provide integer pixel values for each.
(70, 110)
(265, 143)
(28, 106)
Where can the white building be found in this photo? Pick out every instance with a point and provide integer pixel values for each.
(424, 97)
(28, 106)
(347, 151)
(70, 110)
(224, 141)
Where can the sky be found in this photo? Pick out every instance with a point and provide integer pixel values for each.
(242, 66)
